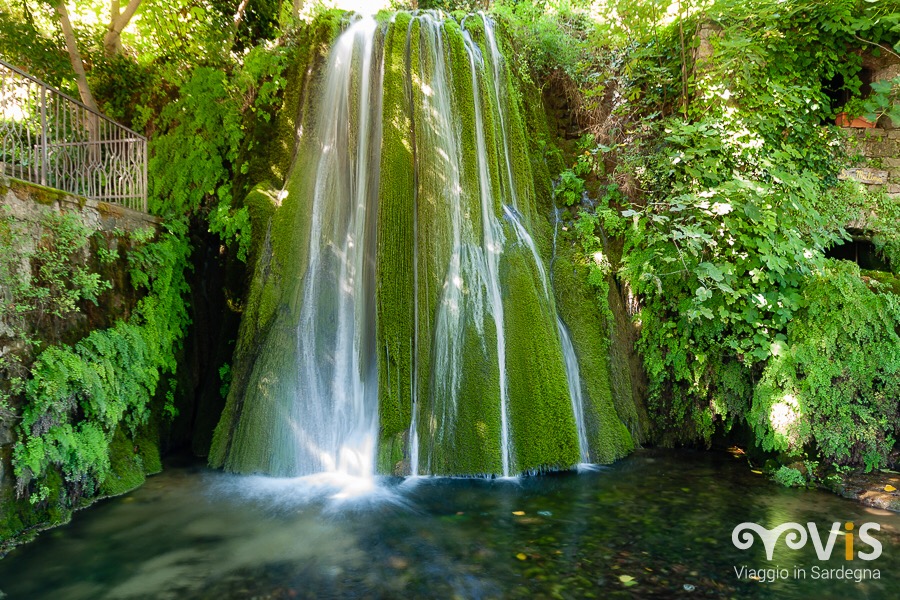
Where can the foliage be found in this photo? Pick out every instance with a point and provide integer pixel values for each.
(736, 208)
(823, 388)
(225, 378)
(884, 101)
(789, 477)
(77, 396)
(29, 41)
(725, 182)
(550, 35)
(194, 84)
(40, 286)
(570, 186)
(195, 160)
(194, 80)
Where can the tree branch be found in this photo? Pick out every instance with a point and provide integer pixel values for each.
(239, 16)
(879, 46)
(112, 41)
(75, 56)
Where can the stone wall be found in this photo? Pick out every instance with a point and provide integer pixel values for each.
(27, 205)
(28, 202)
(878, 167)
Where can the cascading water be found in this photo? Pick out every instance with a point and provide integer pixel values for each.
(492, 247)
(406, 324)
(467, 265)
(574, 378)
(335, 415)
(496, 57)
(573, 374)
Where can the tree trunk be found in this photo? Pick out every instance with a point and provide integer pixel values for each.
(75, 56)
(112, 41)
(238, 18)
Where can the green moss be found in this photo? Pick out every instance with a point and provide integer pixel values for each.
(577, 304)
(543, 161)
(261, 203)
(38, 193)
(391, 455)
(885, 281)
(465, 438)
(131, 459)
(543, 426)
(395, 289)
(463, 95)
(21, 521)
(126, 468)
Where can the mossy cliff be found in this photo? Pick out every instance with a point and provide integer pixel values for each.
(460, 180)
(278, 253)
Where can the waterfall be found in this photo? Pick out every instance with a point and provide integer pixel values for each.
(410, 325)
(490, 252)
(573, 374)
(335, 416)
(573, 377)
(496, 59)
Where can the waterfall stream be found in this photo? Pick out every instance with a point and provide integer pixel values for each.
(573, 377)
(427, 339)
(335, 415)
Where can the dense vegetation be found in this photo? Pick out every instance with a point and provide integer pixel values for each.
(83, 400)
(707, 185)
(718, 176)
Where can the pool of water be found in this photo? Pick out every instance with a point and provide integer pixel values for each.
(656, 525)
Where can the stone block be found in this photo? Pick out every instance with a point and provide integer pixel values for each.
(883, 149)
(865, 175)
(887, 73)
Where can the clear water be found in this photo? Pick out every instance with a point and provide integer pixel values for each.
(663, 518)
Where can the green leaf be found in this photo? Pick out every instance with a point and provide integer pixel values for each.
(712, 271)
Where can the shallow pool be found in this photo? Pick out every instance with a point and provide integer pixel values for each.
(656, 525)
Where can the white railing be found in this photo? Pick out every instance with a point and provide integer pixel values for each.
(49, 138)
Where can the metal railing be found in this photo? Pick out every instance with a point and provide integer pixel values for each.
(49, 138)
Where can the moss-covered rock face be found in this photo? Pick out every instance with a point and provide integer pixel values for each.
(401, 310)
